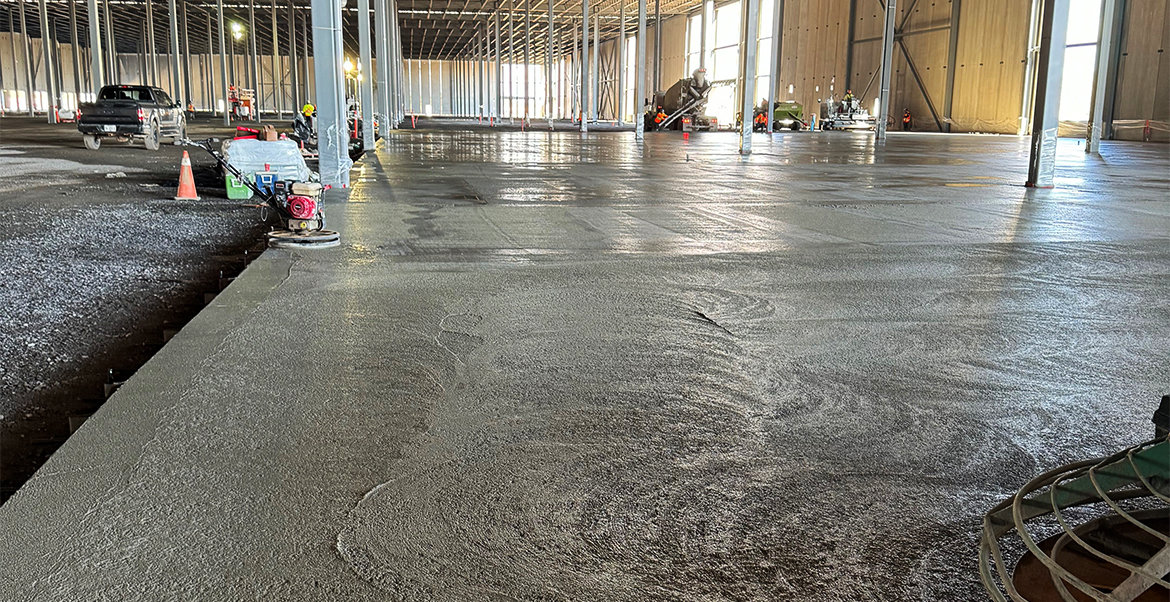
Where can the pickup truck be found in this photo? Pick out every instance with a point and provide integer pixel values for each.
(124, 112)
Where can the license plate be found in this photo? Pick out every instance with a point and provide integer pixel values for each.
(109, 128)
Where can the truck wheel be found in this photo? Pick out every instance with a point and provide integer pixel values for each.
(152, 138)
(181, 134)
(92, 142)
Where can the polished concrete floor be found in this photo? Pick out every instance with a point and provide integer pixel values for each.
(553, 367)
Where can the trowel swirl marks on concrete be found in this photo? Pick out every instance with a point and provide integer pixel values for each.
(551, 506)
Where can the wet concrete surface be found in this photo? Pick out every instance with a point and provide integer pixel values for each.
(99, 260)
(548, 367)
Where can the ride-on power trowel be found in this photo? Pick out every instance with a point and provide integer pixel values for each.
(297, 204)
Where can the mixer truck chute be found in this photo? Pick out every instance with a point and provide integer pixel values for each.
(681, 106)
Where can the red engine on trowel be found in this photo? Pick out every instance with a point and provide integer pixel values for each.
(302, 202)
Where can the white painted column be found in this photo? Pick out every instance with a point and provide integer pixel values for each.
(329, 52)
(1045, 117)
(887, 67)
(1101, 77)
(748, 72)
(640, 75)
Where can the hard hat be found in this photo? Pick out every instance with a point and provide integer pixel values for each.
(308, 109)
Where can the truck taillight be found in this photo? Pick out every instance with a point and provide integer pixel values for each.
(141, 114)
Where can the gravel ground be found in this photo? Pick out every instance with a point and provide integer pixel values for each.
(99, 260)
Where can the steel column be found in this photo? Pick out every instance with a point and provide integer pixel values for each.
(254, 74)
(395, 64)
(143, 67)
(95, 47)
(58, 69)
(332, 134)
(621, 62)
(952, 61)
(657, 46)
(306, 77)
(176, 77)
(748, 68)
(12, 48)
(574, 76)
(364, 70)
(188, 91)
(849, 47)
(774, 67)
(114, 72)
(383, 99)
(75, 47)
(549, 58)
(887, 67)
(1030, 76)
(527, 58)
(499, 66)
(595, 69)
(1102, 75)
(28, 73)
(584, 91)
(1115, 45)
(278, 70)
(511, 60)
(640, 75)
(705, 23)
(483, 89)
(294, 70)
(486, 62)
(11, 34)
(223, 64)
(232, 64)
(47, 61)
(1045, 116)
(209, 67)
(151, 48)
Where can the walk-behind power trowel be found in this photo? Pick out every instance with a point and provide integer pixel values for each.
(297, 204)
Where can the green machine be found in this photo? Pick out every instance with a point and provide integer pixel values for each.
(789, 114)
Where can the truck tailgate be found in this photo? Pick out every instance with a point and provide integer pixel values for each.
(114, 112)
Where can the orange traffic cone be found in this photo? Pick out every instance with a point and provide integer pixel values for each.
(186, 181)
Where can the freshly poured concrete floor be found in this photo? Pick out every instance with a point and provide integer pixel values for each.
(547, 367)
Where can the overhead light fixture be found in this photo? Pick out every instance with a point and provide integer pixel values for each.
(347, 65)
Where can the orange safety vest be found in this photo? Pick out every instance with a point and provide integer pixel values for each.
(660, 117)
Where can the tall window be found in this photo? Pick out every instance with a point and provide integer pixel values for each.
(723, 53)
(764, 53)
(514, 90)
(1084, 29)
(723, 68)
(694, 41)
(631, 105)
